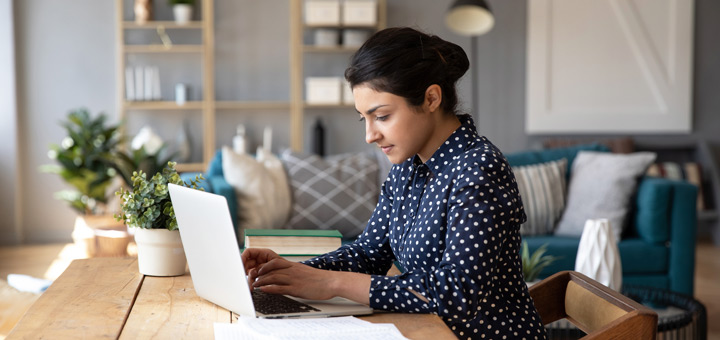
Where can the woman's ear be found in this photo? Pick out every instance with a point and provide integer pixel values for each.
(433, 97)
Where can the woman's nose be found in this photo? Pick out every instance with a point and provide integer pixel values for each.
(371, 134)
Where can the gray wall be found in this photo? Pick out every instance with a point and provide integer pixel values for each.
(8, 128)
(65, 56)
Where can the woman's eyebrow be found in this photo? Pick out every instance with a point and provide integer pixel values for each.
(371, 110)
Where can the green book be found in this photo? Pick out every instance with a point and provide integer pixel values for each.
(293, 242)
(293, 232)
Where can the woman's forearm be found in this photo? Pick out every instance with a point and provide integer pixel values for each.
(353, 286)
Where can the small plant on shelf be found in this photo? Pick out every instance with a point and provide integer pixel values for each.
(182, 10)
(147, 205)
(533, 264)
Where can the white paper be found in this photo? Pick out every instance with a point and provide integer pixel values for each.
(139, 82)
(148, 83)
(346, 328)
(129, 84)
(156, 95)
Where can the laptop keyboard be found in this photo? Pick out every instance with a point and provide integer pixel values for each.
(278, 304)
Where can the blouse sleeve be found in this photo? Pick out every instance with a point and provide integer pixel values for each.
(370, 253)
(481, 209)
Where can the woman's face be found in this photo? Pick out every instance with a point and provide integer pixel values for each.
(400, 130)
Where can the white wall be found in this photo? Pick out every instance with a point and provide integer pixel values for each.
(65, 60)
(9, 223)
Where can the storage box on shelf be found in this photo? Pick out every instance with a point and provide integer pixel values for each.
(357, 20)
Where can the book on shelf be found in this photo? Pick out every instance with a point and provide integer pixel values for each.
(294, 242)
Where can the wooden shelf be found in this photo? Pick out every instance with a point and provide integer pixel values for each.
(328, 106)
(164, 24)
(163, 49)
(252, 105)
(162, 105)
(329, 49)
(190, 167)
(341, 26)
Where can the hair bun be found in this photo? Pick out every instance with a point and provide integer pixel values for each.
(453, 56)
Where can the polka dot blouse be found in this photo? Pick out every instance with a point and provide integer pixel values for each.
(453, 225)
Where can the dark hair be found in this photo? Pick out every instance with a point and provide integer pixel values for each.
(405, 62)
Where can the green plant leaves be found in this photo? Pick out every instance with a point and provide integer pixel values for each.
(533, 264)
(148, 204)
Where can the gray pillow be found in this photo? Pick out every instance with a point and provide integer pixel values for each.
(601, 186)
(339, 192)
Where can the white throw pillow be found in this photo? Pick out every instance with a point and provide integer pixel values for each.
(259, 199)
(601, 185)
(282, 196)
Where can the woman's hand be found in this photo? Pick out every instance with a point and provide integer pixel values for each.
(280, 276)
(254, 258)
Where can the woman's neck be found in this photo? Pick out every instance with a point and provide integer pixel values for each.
(445, 126)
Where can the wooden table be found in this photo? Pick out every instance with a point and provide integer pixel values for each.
(109, 298)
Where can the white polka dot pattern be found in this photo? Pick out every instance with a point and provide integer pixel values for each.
(453, 225)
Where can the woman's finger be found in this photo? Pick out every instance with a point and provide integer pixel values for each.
(275, 264)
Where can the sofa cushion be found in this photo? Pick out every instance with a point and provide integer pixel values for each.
(543, 156)
(338, 192)
(652, 215)
(601, 186)
(634, 254)
(542, 188)
(565, 248)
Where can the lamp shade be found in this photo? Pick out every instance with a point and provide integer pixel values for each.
(469, 17)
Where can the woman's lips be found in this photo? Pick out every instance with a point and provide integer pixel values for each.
(386, 149)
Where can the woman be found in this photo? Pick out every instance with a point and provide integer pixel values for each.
(449, 211)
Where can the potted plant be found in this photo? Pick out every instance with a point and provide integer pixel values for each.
(533, 264)
(148, 210)
(86, 159)
(182, 10)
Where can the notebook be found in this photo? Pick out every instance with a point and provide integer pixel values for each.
(216, 267)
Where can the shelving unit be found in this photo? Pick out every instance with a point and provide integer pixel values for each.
(298, 49)
(205, 50)
(208, 105)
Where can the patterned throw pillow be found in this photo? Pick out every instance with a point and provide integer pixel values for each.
(338, 192)
(542, 188)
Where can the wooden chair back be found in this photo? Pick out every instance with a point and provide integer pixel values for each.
(597, 310)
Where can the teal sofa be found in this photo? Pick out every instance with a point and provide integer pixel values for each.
(658, 247)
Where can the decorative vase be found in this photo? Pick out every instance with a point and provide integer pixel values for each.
(183, 13)
(160, 252)
(598, 256)
(143, 11)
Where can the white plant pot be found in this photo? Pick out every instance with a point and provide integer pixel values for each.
(160, 252)
(183, 13)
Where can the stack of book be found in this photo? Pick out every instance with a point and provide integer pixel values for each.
(294, 244)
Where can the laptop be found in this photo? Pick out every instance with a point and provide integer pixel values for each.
(216, 267)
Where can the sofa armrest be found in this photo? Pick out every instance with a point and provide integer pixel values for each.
(667, 212)
(188, 176)
(221, 187)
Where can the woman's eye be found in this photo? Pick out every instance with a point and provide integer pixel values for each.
(362, 119)
(381, 118)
